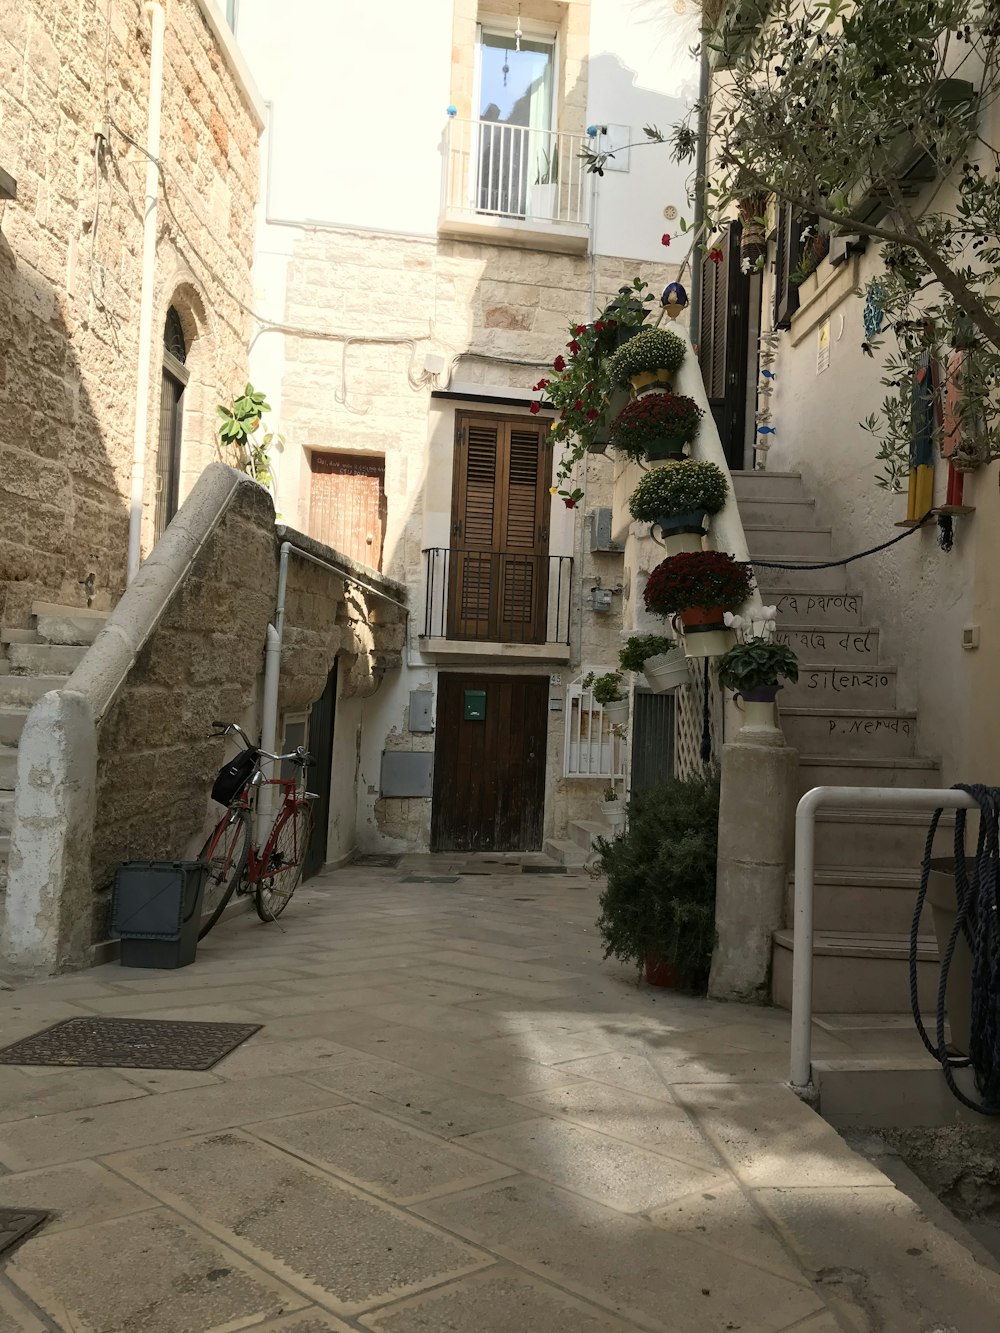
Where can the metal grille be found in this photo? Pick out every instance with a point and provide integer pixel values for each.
(652, 739)
(129, 1043)
(689, 715)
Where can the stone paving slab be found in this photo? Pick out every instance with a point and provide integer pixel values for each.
(81, 1194)
(15, 1317)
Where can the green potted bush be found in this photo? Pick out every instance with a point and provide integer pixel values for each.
(656, 426)
(658, 658)
(754, 667)
(607, 691)
(658, 909)
(652, 357)
(677, 498)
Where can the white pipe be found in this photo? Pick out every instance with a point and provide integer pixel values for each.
(873, 798)
(156, 11)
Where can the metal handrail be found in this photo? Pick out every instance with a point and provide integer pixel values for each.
(875, 798)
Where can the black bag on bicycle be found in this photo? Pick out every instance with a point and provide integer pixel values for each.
(234, 776)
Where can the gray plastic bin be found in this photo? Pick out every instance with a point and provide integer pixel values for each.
(156, 912)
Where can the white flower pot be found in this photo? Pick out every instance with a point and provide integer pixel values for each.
(709, 643)
(758, 716)
(544, 202)
(666, 672)
(617, 713)
(614, 813)
(680, 543)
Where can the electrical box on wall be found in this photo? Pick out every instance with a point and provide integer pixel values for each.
(600, 599)
(421, 710)
(600, 532)
(407, 773)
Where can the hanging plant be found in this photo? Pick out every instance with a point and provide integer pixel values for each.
(652, 356)
(248, 450)
(679, 490)
(703, 580)
(656, 426)
(752, 209)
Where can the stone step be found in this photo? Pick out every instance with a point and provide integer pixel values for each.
(584, 831)
(886, 840)
(795, 513)
(830, 770)
(797, 574)
(44, 659)
(858, 973)
(565, 852)
(67, 624)
(6, 811)
(11, 725)
(768, 485)
(19, 691)
(849, 731)
(840, 645)
(800, 606)
(8, 767)
(18, 636)
(786, 540)
(821, 685)
(879, 901)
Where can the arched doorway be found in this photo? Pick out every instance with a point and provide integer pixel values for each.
(168, 453)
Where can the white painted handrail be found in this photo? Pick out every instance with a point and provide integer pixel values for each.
(870, 798)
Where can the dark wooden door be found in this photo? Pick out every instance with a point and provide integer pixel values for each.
(498, 572)
(320, 746)
(724, 343)
(347, 505)
(652, 736)
(489, 775)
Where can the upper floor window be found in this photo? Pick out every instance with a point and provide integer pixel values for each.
(232, 13)
(518, 151)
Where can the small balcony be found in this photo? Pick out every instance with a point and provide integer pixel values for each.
(515, 185)
(499, 604)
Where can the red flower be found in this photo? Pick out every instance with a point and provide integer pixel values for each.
(542, 384)
(611, 324)
(716, 255)
(559, 363)
(574, 347)
(580, 328)
(588, 388)
(535, 407)
(665, 238)
(578, 405)
(570, 504)
(697, 578)
(592, 415)
(599, 326)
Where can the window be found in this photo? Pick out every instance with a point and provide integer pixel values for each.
(168, 454)
(518, 161)
(789, 228)
(347, 507)
(232, 13)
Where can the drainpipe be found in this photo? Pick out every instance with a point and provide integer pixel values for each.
(156, 11)
(704, 83)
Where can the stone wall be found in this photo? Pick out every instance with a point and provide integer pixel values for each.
(70, 276)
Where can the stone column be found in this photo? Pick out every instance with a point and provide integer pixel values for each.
(756, 832)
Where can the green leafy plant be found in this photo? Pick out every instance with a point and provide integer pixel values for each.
(757, 662)
(241, 421)
(697, 579)
(639, 648)
(610, 795)
(606, 689)
(660, 895)
(649, 350)
(816, 250)
(548, 168)
(678, 488)
(652, 418)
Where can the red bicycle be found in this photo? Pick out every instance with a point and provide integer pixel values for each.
(236, 861)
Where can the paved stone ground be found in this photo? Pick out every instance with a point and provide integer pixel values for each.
(457, 1119)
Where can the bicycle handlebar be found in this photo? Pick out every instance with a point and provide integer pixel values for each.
(300, 755)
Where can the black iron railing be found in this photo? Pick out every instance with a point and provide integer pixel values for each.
(497, 596)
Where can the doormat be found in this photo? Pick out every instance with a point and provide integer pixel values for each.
(543, 870)
(16, 1223)
(429, 879)
(377, 860)
(129, 1043)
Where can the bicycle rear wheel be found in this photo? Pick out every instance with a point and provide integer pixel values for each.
(226, 854)
(281, 863)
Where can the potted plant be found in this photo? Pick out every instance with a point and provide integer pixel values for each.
(658, 658)
(656, 426)
(677, 498)
(545, 192)
(651, 357)
(699, 586)
(613, 809)
(607, 691)
(754, 667)
(658, 909)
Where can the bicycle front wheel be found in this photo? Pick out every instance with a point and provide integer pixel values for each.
(281, 864)
(226, 854)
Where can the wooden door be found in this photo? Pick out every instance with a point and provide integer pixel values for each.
(347, 505)
(489, 775)
(498, 572)
(318, 778)
(724, 343)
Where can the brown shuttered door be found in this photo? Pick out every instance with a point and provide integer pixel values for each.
(347, 505)
(498, 580)
(722, 352)
(489, 774)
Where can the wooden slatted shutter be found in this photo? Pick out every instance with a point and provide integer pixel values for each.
(723, 349)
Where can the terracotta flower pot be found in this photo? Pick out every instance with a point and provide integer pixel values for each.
(659, 973)
(699, 618)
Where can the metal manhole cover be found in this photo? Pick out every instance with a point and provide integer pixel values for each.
(429, 879)
(129, 1043)
(543, 870)
(377, 859)
(16, 1223)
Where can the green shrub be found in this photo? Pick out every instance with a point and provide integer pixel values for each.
(650, 349)
(757, 662)
(660, 895)
(638, 649)
(678, 488)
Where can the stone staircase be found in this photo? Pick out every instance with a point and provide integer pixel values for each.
(33, 661)
(843, 719)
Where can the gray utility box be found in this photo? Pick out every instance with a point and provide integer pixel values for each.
(600, 532)
(421, 712)
(156, 911)
(407, 773)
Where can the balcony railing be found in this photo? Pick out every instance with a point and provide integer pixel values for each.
(515, 175)
(497, 596)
